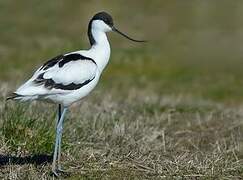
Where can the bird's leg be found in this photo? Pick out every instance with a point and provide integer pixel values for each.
(59, 113)
(57, 143)
(59, 140)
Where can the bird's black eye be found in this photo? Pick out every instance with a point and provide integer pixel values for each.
(108, 21)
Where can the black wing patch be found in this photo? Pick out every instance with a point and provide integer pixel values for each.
(73, 57)
(50, 83)
(64, 59)
(52, 62)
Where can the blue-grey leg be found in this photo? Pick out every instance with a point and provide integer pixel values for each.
(59, 113)
(58, 143)
(59, 148)
(60, 138)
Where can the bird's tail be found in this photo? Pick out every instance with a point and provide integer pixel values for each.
(14, 96)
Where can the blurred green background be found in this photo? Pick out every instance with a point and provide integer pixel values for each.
(195, 47)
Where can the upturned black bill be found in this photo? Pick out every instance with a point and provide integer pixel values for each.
(126, 36)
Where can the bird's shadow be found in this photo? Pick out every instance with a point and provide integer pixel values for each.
(37, 159)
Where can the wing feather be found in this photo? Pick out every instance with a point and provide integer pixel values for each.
(51, 78)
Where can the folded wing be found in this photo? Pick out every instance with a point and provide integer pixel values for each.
(62, 74)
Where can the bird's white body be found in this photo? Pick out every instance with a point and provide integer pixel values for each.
(72, 72)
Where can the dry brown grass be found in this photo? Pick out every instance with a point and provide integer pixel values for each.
(116, 137)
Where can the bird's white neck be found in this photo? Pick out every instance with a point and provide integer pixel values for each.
(100, 49)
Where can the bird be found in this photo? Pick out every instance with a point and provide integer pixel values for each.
(68, 78)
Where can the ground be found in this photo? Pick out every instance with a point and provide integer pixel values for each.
(170, 108)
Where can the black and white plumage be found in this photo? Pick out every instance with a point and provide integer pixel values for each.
(68, 78)
(59, 79)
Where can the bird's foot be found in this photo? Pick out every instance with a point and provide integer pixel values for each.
(54, 173)
(60, 172)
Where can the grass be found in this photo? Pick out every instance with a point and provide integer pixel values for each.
(139, 138)
(171, 108)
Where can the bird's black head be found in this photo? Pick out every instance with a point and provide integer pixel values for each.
(105, 17)
(103, 22)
